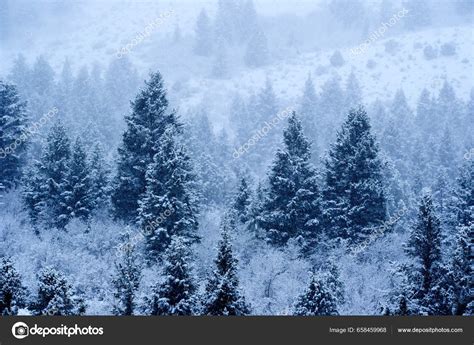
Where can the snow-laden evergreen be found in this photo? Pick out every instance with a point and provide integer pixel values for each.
(45, 184)
(55, 295)
(146, 124)
(12, 292)
(354, 200)
(78, 190)
(203, 45)
(291, 207)
(168, 206)
(223, 295)
(427, 275)
(126, 280)
(316, 300)
(326, 199)
(13, 135)
(177, 294)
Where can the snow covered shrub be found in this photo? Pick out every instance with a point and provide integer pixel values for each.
(448, 49)
(336, 59)
(371, 64)
(430, 52)
(391, 47)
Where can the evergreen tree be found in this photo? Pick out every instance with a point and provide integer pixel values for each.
(41, 86)
(449, 109)
(45, 186)
(55, 295)
(331, 105)
(176, 295)
(145, 126)
(446, 154)
(391, 144)
(349, 12)
(469, 114)
(403, 309)
(460, 274)
(168, 206)
(353, 197)
(203, 30)
(332, 282)
(401, 113)
(425, 241)
(266, 103)
(34, 193)
(211, 173)
(316, 300)
(419, 14)
(85, 101)
(42, 77)
(122, 82)
(309, 113)
(2, 191)
(55, 165)
(424, 112)
(99, 178)
(220, 68)
(461, 220)
(309, 101)
(256, 208)
(247, 21)
(78, 186)
(461, 207)
(336, 59)
(13, 139)
(12, 291)
(264, 107)
(127, 279)
(378, 116)
(244, 122)
(441, 191)
(291, 206)
(386, 10)
(353, 94)
(20, 75)
(428, 274)
(242, 199)
(64, 92)
(222, 296)
(226, 20)
(257, 53)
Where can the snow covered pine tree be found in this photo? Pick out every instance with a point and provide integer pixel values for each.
(222, 296)
(177, 294)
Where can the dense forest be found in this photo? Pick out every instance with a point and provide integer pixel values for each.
(116, 201)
